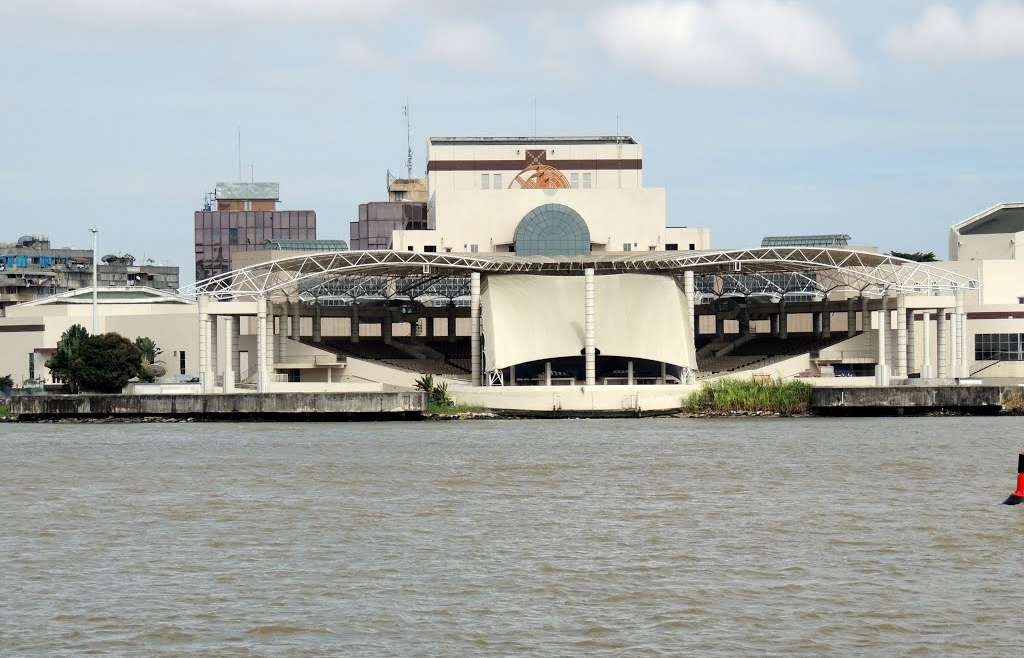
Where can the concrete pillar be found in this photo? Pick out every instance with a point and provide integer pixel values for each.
(282, 334)
(963, 355)
(911, 339)
(826, 319)
(783, 320)
(774, 320)
(664, 373)
(512, 375)
(629, 373)
(927, 369)
(865, 315)
(317, 324)
(689, 291)
(205, 365)
(385, 325)
(230, 338)
(354, 331)
(547, 373)
(474, 314)
(429, 326)
(589, 357)
(214, 360)
(261, 346)
(745, 319)
(942, 343)
(816, 323)
(452, 327)
(235, 328)
(719, 327)
(882, 369)
(851, 317)
(296, 321)
(900, 356)
(954, 344)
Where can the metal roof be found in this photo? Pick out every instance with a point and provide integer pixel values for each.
(833, 240)
(306, 245)
(247, 191)
(1001, 218)
(835, 269)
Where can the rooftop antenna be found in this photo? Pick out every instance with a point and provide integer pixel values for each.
(408, 139)
(239, 154)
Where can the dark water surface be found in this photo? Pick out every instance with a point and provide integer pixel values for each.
(854, 537)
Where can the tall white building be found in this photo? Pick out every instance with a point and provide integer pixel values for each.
(543, 195)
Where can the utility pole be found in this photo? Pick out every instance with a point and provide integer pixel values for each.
(408, 141)
(95, 268)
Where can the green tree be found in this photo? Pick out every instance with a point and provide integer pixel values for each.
(106, 362)
(62, 363)
(150, 371)
(918, 256)
(6, 384)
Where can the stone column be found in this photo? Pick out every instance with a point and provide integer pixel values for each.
(927, 369)
(911, 339)
(354, 323)
(296, 321)
(205, 366)
(942, 343)
(900, 357)
(261, 346)
(589, 357)
(954, 346)
(882, 370)
(318, 336)
(230, 344)
(963, 356)
(851, 317)
(783, 320)
(474, 342)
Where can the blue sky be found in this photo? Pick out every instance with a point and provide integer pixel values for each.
(886, 120)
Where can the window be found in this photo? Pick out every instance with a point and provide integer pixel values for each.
(430, 248)
(181, 361)
(485, 181)
(574, 180)
(998, 347)
(410, 247)
(626, 246)
(552, 230)
(232, 236)
(586, 180)
(693, 247)
(671, 246)
(474, 248)
(497, 181)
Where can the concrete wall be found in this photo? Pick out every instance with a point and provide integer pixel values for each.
(612, 399)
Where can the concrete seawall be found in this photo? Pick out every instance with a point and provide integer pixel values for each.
(902, 400)
(273, 406)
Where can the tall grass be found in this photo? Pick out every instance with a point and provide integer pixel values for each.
(4, 410)
(726, 396)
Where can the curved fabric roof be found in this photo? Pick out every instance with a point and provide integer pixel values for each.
(834, 268)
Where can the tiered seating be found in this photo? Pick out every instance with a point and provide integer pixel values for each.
(392, 355)
(762, 351)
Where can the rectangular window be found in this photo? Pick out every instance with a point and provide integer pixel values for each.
(232, 236)
(586, 181)
(474, 248)
(485, 181)
(410, 247)
(693, 247)
(998, 347)
(574, 180)
(627, 246)
(181, 361)
(430, 248)
(671, 246)
(497, 182)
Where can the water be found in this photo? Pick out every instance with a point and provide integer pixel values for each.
(863, 537)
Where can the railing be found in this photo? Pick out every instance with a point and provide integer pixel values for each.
(984, 368)
(841, 355)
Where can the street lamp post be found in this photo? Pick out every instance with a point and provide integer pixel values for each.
(95, 267)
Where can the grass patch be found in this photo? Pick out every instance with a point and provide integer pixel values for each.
(1014, 404)
(453, 409)
(727, 396)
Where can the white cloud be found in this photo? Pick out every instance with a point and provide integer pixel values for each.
(993, 29)
(467, 44)
(724, 41)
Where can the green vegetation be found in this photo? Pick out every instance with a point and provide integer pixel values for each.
(6, 384)
(918, 256)
(437, 392)
(1014, 404)
(151, 368)
(727, 396)
(102, 364)
(5, 411)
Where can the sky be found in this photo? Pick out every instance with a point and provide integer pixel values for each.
(889, 120)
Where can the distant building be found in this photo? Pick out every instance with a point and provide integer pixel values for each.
(835, 240)
(241, 217)
(32, 269)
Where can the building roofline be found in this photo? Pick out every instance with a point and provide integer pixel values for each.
(592, 139)
(985, 213)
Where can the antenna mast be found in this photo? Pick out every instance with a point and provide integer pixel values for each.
(408, 140)
(239, 154)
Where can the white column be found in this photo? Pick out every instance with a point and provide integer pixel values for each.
(214, 350)
(911, 339)
(296, 321)
(205, 367)
(511, 372)
(629, 373)
(589, 358)
(547, 373)
(942, 343)
(474, 343)
(882, 369)
(901, 336)
(954, 344)
(664, 373)
(282, 333)
(261, 346)
(230, 346)
(927, 370)
(317, 324)
(962, 358)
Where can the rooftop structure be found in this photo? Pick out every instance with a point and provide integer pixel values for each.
(305, 245)
(992, 234)
(837, 240)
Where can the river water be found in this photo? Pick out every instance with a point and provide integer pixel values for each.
(661, 537)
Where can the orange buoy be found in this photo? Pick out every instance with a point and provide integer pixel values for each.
(1017, 497)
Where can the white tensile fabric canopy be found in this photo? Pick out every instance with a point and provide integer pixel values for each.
(534, 318)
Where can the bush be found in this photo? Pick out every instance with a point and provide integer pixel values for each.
(6, 384)
(437, 393)
(100, 364)
(747, 396)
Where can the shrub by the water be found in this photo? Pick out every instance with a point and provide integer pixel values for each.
(727, 396)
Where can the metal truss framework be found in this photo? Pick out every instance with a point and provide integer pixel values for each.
(348, 275)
